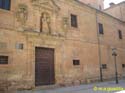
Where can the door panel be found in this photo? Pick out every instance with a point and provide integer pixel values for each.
(44, 66)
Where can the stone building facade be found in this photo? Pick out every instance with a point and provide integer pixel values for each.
(61, 42)
(98, 4)
(117, 10)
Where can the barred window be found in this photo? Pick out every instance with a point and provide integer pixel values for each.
(20, 46)
(3, 59)
(74, 21)
(104, 66)
(76, 62)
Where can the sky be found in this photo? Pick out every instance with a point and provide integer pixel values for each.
(109, 1)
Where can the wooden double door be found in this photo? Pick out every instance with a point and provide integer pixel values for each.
(44, 66)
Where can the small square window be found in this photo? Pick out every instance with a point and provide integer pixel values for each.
(19, 46)
(104, 66)
(123, 65)
(3, 59)
(76, 62)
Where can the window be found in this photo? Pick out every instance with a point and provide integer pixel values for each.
(123, 65)
(5, 4)
(76, 62)
(104, 66)
(120, 34)
(3, 59)
(19, 46)
(74, 21)
(101, 28)
(100, 7)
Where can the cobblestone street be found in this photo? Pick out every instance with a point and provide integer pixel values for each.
(89, 88)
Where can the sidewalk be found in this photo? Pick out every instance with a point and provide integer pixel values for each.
(88, 88)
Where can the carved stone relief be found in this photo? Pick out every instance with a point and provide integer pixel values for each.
(49, 11)
(65, 22)
(45, 23)
(46, 4)
(22, 13)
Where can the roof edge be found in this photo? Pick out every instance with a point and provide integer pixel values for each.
(97, 10)
(114, 5)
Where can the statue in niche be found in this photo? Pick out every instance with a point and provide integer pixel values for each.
(45, 23)
(22, 14)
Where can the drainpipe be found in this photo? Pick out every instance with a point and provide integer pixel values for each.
(99, 48)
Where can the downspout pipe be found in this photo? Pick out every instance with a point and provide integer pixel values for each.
(99, 48)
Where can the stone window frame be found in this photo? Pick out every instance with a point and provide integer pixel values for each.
(69, 15)
(12, 8)
(10, 57)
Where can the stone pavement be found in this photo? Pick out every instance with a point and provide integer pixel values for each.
(87, 88)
